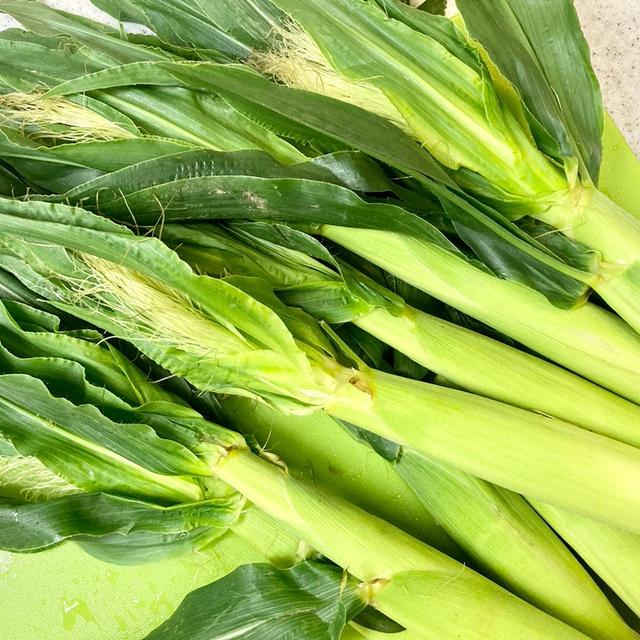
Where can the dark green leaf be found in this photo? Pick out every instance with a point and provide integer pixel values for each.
(65, 166)
(37, 526)
(573, 252)
(437, 7)
(386, 448)
(231, 28)
(368, 348)
(373, 619)
(511, 254)
(406, 367)
(141, 547)
(299, 115)
(258, 602)
(10, 184)
(181, 188)
(540, 48)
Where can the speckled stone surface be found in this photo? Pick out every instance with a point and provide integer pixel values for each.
(612, 28)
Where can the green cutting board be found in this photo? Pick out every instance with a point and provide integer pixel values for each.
(66, 594)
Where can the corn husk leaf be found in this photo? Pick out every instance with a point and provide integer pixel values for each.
(243, 345)
(127, 459)
(102, 42)
(231, 28)
(229, 188)
(312, 118)
(540, 48)
(31, 527)
(10, 184)
(63, 167)
(311, 600)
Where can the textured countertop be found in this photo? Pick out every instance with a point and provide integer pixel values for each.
(612, 28)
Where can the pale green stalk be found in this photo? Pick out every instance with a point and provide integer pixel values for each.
(588, 340)
(504, 537)
(490, 368)
(316, 449)
(612, 553)
(420, 588)
(578, 470)
(467, 359)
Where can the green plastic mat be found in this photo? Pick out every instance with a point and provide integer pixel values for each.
(66, 594)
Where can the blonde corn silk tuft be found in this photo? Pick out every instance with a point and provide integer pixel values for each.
(57, 119)
(32, 480)
(298, 62)
(150, 311)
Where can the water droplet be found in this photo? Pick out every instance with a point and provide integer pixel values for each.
(122, 623)
(71, 610)
(6, 560)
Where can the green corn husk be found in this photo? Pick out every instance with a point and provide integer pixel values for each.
(351, 537)
(616, 378)
(587, 340)
(443, 95)
(609, 552)
(345, 471)
(394, 587)
(214, 250)
(222, 339)
(469, 360)
(30, 338)
(532, 562)
(549, 348)
(440, 274)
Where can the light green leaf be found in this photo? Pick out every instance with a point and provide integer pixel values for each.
(321, 122)
(243, 338)
(90, 451)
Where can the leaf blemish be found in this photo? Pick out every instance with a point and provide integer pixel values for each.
(260, 203)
